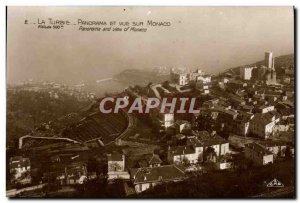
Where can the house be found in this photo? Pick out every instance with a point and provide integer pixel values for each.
(76, 173)
(285, 136)
(258, 154)
(19, 170)
(199, 147)
(179, 76)
(162, 120)
(265, 109)
(194, 75)
(224, 165)
(178, 139)
(214, 145)
(116, 166)
(233, 86)
(202, 86)
(66, 169)
(185, 154)
(246, 73)
(278, 148)
(208, 119)
(282, 127)
(246, 108)
(238, 141)
(235, 121)
(284, 110)
(181, 126)
(227, 119)
(262, 124)
(66, 174)
(224, 162)
(165, 120)
(210, 103)
(204, 79)
(227, 113)
(272, 98)
(242, 123)
(150, 160)
(236, 101)
(145, 178)
(199, 76)
(183, 76)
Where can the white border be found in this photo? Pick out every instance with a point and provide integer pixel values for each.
(155, 2)
(107, 3)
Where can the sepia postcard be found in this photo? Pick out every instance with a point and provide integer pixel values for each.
(150, 102)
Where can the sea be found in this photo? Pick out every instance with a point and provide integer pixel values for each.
(105, 86)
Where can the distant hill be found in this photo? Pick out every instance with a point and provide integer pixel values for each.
(284, 61)
(281, 63)
(140, 77)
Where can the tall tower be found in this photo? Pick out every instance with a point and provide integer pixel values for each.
(269, 59)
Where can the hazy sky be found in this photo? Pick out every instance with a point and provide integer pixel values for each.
(210, 38)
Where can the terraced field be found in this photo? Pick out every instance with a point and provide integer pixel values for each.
(97, 126)
(105, 127)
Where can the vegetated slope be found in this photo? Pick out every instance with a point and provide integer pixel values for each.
(281, 63)
(27, 110)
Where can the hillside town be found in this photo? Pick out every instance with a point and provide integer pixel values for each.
(245, 124)
(54, 89)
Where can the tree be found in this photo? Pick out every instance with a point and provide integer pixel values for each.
(210, 154)
(166, 84)
(185, 161)
(288, 153)
(149, 84)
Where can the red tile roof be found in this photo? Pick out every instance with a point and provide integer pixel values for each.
(19, 162)
(258, 148)
(115, 157)
(157, 174)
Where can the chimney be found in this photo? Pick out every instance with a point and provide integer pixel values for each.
(123, 158)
